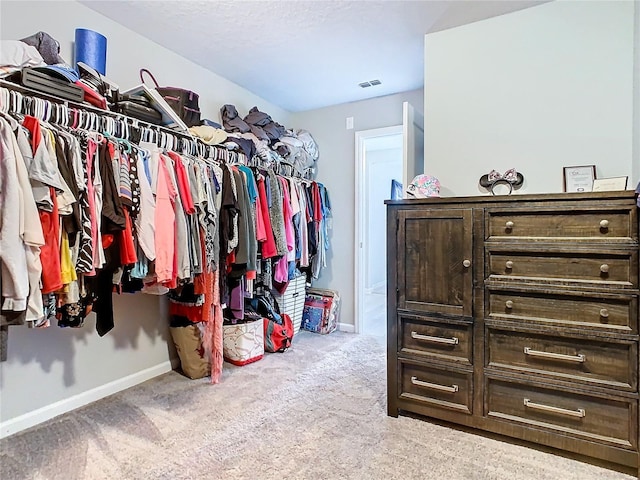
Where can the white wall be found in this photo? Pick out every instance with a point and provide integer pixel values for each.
(336, 169)
(49, 366)
(382, 166)
(127, 53)
(538, 89)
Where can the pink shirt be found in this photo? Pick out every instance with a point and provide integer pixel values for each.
(288, 220)
(165, 221)
(183, 184)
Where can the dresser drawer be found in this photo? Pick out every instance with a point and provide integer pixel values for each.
(604, 420)
(427, 336)
(600, 224)
(612, 268)
(612, 363)
(600, 312)
(436, 386)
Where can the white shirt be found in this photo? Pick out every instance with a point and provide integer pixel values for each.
(20, 230)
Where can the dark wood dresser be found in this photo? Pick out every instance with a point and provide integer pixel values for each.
(518, 315)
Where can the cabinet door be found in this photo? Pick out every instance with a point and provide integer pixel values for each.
(435, 261)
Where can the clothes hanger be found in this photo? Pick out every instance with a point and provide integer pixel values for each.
(74, 123)
(61, 115)
(32, 105)
(118, 129)
(46, 110)
(106, 126)
(144, 133)
(3, 100)
(109, 133)
(64, 115)
(183, 146)
(80, 120)
(95, 121)
(127, 144)
(16, 106)
(6, 100)
(125, 132)
(54, 114)
(162, 141)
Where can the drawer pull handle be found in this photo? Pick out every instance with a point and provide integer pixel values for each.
(508, 304)
(580, 413)
(434, 386)
(580, 358)
(604, 223)
(509, 225)
(604, 268)
(604, 313)
(466, 263)
(509, 264)
(429, 338)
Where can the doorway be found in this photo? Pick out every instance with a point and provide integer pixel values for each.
(379, 160)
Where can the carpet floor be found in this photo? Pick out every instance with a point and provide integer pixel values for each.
(315, 412)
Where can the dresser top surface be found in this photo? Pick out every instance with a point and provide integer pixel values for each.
(622, 195)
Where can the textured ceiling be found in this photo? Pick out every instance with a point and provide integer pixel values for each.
(302, 55)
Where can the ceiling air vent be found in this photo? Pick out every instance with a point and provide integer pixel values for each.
(370, 83)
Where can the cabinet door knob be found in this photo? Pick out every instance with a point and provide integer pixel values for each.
(604, 268)
(604, 313)
(509, 225)
(508, 304)
(509, 264)
(604, 223)
(466, 263)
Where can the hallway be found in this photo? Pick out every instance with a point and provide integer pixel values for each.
(375, 312)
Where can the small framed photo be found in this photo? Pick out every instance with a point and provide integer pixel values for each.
(579, 179)
(610, 184)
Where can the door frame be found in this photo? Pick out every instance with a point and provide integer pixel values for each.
(412, 120)
(360, 193)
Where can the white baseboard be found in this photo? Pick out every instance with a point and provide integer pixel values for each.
(30, 419)
(346, 327)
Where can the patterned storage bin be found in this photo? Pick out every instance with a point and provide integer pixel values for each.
(320, 314)
(193, 359)
(243, 342)
(291, 301)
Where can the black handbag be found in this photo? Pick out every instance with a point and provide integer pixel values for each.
(183, 102)
(139, 111)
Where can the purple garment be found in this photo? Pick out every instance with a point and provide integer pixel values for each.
(236, 300)
(638, 192)
(268, 191)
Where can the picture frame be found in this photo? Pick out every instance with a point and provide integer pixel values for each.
(610, 184)
(578, 178)
(396, 190)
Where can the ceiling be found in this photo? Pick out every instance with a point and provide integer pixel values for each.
(304, 54)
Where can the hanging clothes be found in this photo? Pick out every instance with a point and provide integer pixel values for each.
(21, 240)
(98, 214)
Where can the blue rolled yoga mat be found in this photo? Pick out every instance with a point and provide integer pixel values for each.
(91, 48)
